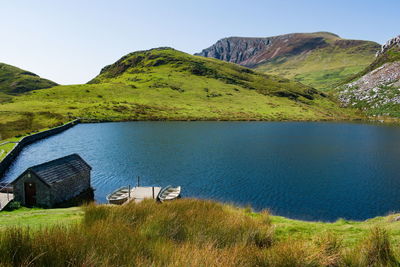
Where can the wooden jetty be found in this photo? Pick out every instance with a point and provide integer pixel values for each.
(6, 195)
(5, 198)
(139, 193)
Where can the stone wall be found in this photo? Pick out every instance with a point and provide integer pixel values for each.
(6, 162)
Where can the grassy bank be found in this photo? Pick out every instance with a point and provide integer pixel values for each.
(6, 147)
(193, 233)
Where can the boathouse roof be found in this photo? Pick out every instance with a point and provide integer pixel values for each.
(57, 170)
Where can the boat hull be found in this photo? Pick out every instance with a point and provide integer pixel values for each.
(169, 193)
(119, 196)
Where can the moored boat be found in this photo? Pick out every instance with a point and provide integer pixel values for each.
(169, 193)
(119, 196)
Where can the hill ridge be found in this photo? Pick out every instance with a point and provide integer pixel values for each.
(14, 80)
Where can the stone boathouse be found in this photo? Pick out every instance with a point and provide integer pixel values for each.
(53, 182)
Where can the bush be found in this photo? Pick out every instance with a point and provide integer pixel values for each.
(375, 250)
(13, 205)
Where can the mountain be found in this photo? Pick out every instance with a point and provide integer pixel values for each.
(15, 81)
(320, 59)
(166, 84)
(376, 89)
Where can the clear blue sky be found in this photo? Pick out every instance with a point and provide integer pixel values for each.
(70, 41)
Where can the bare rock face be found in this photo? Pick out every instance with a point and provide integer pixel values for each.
(252, 51)
(388, 45)
(378, 87)
(236, 49)
(377, 91)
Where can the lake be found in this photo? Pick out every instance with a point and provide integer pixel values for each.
(302, 170)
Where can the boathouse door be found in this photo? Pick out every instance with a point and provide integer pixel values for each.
(30, 194)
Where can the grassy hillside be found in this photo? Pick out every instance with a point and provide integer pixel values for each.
(191, 232)
(16, 81)
(165, 84)
(326, 67)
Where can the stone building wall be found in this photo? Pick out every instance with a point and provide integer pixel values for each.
(69, 188)
(49, 196)
(43, 196)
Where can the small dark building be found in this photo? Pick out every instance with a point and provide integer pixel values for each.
(53, 182)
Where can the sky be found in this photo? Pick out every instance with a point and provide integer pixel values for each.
(70, 41)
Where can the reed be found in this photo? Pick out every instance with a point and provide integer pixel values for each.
(185, 232)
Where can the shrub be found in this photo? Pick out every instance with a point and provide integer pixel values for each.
(289, 254)
(328, 248)
(13, 205)
(375, 250)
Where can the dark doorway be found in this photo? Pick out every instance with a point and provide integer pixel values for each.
(30, 194)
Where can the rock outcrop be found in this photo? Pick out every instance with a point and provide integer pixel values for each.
(388, 45)
(376, 88)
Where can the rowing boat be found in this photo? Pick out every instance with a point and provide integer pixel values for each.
(119, 196)
(169, 193)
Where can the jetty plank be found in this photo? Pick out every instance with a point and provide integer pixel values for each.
(5, 199)
(138, 194)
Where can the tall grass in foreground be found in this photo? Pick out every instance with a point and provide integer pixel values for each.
(181, 233)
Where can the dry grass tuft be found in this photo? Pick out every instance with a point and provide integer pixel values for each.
(185, 232)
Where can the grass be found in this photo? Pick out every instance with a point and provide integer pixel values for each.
(191, 232)
(37, 218)
(165, 84)
(4, 149)
(324, 68)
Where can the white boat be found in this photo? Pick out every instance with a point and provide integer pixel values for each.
(169, 193)
(119, 196)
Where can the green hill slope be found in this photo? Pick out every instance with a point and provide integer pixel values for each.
(325, 67)
(165, 84)
(15, 81)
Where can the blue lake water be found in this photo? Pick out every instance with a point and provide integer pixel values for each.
(310, 171)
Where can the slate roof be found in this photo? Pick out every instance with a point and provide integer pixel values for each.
(59, 169)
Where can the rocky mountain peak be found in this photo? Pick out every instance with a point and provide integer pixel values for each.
(251, 51)
(389, 44)
(236, 49)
